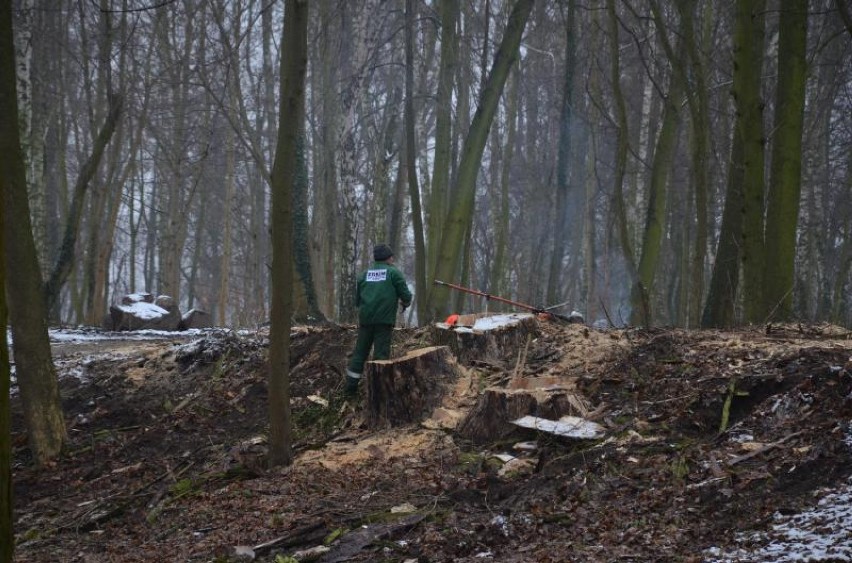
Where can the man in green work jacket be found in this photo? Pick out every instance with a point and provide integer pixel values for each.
(379, 290)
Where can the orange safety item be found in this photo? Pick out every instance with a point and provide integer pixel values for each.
(452, 319)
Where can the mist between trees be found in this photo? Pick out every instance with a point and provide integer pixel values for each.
(646, 161)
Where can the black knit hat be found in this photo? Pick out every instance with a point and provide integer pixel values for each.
(382, 252)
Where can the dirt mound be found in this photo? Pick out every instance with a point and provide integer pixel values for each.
(707, 433)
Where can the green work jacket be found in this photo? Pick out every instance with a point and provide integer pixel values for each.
(379, 289)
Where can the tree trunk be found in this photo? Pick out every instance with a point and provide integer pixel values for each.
(7, 529)
(699, 108)
(7, 532)
(622, 142)
(227, 236)
(722, 294)
(499, 274)
(397, 203)
(643, 288)
(560, 230)
(845, 14)
(449, 10)
(786, 167)
(748, 61)
(325, 224)
(461, 211)
(27, 313)
(65, 259)
(365, 32)
(291, 115)
(310, 307)
(411, 162)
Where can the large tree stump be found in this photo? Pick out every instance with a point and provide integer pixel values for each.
(408, 389)
(486, 337)
(490, 420)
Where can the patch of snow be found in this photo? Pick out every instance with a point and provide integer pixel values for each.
(143, 310)
(497, 321)
(501, 523)
(821, 534)
(742, 438)
(83, 334)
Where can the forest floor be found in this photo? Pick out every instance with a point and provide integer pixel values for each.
(167, 439)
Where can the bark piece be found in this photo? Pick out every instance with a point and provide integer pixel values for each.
(491, 419)
(408, 389)
(486, 337)
(567, 426)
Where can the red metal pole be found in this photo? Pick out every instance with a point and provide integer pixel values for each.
(489, 296)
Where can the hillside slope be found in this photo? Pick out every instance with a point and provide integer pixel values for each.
(719, 446)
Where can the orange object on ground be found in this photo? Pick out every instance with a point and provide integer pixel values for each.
(452, 319)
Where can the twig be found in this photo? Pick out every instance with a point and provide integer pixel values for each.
(296, 537)
(765, 448)
(522, 357)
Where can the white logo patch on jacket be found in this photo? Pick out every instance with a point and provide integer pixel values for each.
(377, 275)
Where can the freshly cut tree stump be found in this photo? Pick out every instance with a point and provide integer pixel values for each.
(486, 337)
(408, 389)
(490, 420)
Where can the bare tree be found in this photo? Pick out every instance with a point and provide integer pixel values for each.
(27, 311)
(786, 166)
(7, 532)
(462, 206)
(284, 175)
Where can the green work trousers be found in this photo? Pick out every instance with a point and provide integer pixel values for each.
(377, 337)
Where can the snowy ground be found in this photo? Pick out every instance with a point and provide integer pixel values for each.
(74, 348)
(823, 533)
(92, 334)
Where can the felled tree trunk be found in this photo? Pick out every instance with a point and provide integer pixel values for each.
(490, 420)
(475, 338)
(408, 389)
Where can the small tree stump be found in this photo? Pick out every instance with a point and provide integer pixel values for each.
(490, 420)
(407, 389)
(486, 337)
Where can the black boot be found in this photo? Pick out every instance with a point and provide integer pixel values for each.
(350, 386)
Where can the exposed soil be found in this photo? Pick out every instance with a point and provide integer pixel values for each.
(708, 433)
